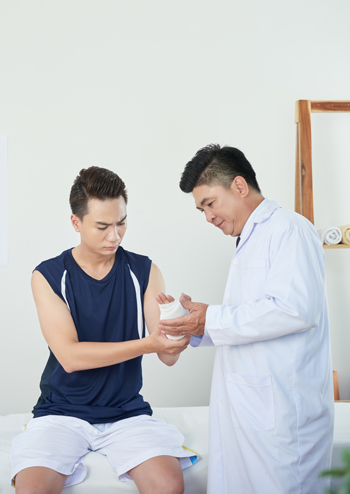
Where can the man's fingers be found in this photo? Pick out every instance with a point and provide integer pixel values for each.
(164, 299)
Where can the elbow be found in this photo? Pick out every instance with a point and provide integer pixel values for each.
(69, 358)
(304, 317)
(69, 364)
(170, 363)
(168, 359)
(68, 367)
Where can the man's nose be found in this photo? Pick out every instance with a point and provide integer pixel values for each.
(113, 235)
(209, 216)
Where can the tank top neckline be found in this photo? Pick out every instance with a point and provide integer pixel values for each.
(110, 273)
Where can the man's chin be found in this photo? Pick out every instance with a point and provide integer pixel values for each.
(228, 231)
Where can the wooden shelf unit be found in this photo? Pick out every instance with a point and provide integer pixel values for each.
(336, 246)
(304, 202)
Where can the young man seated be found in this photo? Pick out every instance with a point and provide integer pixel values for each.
(93, 302)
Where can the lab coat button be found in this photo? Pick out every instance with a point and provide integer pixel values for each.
(227, 295)
(235, 261)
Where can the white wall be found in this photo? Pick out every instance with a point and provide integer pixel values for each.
(138, 86)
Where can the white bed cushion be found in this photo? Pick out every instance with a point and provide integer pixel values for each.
(191, 421)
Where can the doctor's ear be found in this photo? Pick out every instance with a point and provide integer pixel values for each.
(75, 222)
(240, 185)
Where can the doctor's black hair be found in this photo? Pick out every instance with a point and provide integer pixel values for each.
(95, 183)
(216, 165)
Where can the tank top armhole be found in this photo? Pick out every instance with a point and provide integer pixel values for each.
(53, 283)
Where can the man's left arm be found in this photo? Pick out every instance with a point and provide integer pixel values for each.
(152, 314)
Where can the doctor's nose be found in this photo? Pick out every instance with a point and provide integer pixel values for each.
(209, 216)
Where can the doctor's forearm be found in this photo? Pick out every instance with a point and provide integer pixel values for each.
(255, 321)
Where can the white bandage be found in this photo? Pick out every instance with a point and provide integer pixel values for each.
(172, 311)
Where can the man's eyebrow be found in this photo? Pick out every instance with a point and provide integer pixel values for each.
(205, 200)
(108, 224)
(203, 203)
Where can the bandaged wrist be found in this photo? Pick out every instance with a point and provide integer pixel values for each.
(172, 311)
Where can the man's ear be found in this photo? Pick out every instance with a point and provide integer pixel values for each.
(240, 186)
(75, 222)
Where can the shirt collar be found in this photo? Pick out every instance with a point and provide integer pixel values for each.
(259, 215)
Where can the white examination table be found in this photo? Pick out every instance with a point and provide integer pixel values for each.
(101, 478)
(191, 421)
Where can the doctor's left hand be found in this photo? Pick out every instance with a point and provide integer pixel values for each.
(192, 324)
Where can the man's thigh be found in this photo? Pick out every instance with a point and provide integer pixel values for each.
(39, 480)
(159, 475)
(136, 440)
(55, 443)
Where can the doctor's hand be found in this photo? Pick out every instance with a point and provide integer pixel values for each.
(192, 324)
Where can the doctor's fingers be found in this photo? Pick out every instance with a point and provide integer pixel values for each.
(174, 323)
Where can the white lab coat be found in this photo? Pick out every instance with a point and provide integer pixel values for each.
(271, 405)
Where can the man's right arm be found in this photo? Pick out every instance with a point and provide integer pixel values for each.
(59, 331)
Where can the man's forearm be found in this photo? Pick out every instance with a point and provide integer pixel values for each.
(93, 355)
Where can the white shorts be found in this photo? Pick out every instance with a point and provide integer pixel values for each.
(60, 443)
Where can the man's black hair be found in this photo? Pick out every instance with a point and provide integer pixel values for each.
(216, 165)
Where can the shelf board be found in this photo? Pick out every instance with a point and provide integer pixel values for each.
(337, 246)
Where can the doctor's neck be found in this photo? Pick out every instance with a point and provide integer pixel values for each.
(253, 200)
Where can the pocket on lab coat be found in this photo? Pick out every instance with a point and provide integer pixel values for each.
(253, 280)
(251, 401)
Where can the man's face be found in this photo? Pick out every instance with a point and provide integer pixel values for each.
(224, 208)
(103, 227)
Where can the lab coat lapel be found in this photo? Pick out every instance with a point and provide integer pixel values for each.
(262, 215)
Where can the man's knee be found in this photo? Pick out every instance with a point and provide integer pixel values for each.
(159, 475)
(31, 489)
(39, 480)
(176, 486)
(169, 484)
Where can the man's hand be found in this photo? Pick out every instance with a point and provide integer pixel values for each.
(165, 347)
(192, 324)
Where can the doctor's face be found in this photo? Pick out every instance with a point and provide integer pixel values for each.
(224, 208)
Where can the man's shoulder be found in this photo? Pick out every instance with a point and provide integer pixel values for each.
(135, 259)
(139, 264)
(55, 263)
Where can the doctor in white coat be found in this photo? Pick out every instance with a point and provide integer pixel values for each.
(271, 405)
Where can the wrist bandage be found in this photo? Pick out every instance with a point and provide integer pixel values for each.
(171, 311)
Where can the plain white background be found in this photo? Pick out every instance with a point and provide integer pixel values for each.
(138, 87)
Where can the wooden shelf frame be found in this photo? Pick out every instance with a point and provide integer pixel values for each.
(304, 202)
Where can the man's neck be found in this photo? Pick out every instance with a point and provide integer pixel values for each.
(254, 203)
(96, 266)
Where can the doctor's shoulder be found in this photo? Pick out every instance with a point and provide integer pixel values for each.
(290, 228)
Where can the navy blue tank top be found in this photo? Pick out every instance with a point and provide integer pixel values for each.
(107, 310)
